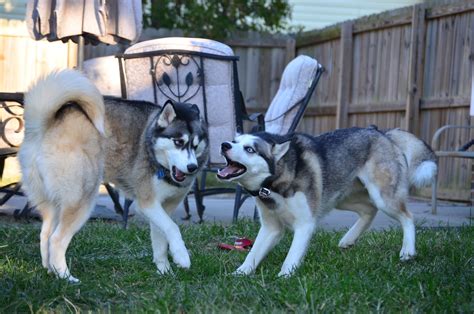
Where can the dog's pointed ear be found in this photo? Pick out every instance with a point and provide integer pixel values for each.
(195, 108)
(279, 150)
(167, 114)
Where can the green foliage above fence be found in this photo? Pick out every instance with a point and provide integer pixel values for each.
(218, 18)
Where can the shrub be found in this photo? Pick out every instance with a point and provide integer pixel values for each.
(217, 18)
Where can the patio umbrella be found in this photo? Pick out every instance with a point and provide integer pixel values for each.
(85, 21)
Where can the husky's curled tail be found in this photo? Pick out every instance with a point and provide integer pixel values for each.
(52, 92)
(422, 161)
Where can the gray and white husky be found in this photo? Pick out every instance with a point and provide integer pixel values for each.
(75, 139)
(297, 178)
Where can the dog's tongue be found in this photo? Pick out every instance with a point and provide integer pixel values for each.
(228, 170)
(179, 175)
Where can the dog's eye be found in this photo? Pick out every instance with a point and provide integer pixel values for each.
(178, 142)
(249, 149)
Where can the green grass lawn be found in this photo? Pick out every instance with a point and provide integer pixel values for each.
(118, 275)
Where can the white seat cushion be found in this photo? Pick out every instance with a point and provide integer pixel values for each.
(295, 82)
(182, 43)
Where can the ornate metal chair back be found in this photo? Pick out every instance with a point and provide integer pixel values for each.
(193, 70)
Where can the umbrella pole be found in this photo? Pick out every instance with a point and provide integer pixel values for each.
(80, 53)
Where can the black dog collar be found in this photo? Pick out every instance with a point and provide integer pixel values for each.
(264, 192)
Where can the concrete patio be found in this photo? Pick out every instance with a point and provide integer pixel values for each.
(219, 210)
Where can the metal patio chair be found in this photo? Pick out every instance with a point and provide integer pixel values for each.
(194, 70)
(297, 85)
(463, 152)
(11, 128)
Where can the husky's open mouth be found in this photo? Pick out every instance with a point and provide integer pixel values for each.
(178, 176)
(233, 169)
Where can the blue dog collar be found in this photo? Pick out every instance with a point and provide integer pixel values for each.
(160, 174)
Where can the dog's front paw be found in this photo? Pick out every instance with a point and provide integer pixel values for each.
(406, 256)
(243, 270)
(70, 278)
(163, 267)
(63, 274)
(284, 274)
(181, 258)
(73, 279)
(287, 271)
(346, 244)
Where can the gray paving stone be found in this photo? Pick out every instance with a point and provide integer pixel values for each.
(219, 210)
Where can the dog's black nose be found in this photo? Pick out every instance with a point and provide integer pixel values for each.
(192, 168)
(226, 146)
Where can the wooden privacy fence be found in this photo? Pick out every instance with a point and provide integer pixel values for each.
(407, 68)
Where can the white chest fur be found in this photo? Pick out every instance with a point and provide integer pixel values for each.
(291, 212)
(169, 195)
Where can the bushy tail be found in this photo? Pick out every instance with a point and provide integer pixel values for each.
(423, 174)
(422, 161)
(51, 92)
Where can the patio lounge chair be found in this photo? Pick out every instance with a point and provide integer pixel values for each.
(297, 85)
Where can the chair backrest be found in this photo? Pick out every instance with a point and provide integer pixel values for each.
(297, 84)
(199, 71)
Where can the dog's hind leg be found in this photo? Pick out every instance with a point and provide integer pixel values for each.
(160, 249)
(75, 193)
(397, 210)
(72, 218)
(38, 197)
(366, 212)
(49, 215)
(408, 250)
(389, 191)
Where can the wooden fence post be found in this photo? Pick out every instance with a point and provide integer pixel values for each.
(290, 49)
(415, 74)
(345, 76)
